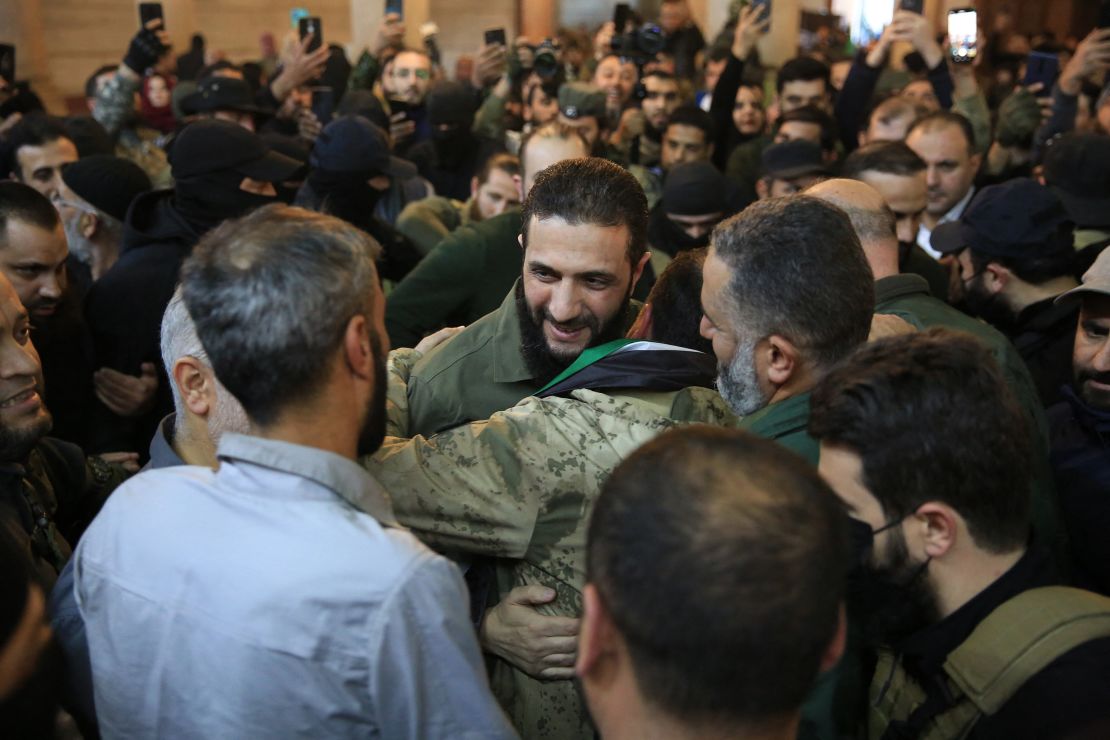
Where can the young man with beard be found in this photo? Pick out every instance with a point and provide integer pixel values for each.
(639, 136)
(1014, 249)
(219, 572)
(584, 246)
(36, 149)
(907, 297)
(1080, 431)
(466, 276)
(976, 638)
(688, 137)
(520, 485)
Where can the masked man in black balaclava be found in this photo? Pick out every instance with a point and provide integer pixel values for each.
(351, 171)
(454, 154)
(221, 171)
(696, 197)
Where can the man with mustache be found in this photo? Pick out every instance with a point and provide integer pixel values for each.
(584, 241)
(1080, 431)
(278, 592)
(928, 449)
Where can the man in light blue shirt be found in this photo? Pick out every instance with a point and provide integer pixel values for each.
(277, 596)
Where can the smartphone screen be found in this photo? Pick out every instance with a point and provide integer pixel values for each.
(1043, 68)
(495, 36)
(312, 26)
(295, 16)
(395, 6)
(757, 4)
(963, 29)
(7, 63)
(149, 12)
(914, 6)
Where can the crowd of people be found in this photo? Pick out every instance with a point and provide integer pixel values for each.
(611, 386)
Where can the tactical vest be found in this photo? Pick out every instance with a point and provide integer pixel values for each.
(1014, 643)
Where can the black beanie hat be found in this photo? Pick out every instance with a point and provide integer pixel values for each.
(107, 182)
(695, 189)
(451, 103)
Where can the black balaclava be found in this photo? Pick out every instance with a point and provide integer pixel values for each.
(207, 200)
(346, 195)
(668, 236)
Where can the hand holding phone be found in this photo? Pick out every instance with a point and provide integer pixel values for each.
(311, 26)
(495, 36)
(963, 35)
(151, 12)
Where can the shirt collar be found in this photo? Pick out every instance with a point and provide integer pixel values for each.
(508, 362)
(344, 477)
(896, 286)
(957, 210)
(162, 453)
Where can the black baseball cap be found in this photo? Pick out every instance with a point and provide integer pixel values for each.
(353, 144)
(204, 147)
(1077, 168)
(790, 159)
(221, 93)
(1006, 221)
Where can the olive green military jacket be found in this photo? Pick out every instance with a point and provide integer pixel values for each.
(428, 221)
(520, 486)
(787, 423)
(908, 296)
(461, 280)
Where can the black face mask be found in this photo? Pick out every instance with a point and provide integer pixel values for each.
(346, 195)
(453, 145)
(206, 200)
(892, 601)
(668, 236)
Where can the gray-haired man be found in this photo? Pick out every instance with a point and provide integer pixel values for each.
(277, 596)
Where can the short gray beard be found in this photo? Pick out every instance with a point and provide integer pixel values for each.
(79, 246)
(738, 382)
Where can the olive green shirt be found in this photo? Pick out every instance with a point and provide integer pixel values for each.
(785, 422)
(462, 279)
(473, 375)
(428, 221)
(908, 296)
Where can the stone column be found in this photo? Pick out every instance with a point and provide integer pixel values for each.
(537, 19)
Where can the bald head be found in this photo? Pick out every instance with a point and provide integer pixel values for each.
(872, 219)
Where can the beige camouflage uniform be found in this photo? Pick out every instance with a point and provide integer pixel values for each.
(520, 486)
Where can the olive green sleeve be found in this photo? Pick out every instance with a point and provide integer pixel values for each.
(489, 120)
(443, 282)
(974, 109)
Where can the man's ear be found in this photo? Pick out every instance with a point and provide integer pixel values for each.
(357, 350)
(710, 149)
(88, 224)
(976, 161)
(518, 181)
(595, 633)
(638, 269)
(937, 527)
(195, 383)
(996, 277)
(782, 359)
(474, 186)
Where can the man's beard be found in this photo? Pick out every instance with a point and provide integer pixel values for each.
(79, 246)
(373, 429)
(1095, 398)
(538, 357)
(16, 443)
(738, 381)
(892, 601)
(989, 307)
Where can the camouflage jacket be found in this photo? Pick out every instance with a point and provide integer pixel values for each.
(520, 486)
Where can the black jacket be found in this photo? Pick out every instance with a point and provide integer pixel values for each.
(1080, 437)
(1066, 699)
(124, 310)
(1044, 334)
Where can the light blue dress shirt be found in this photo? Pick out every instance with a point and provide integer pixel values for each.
(274, 598)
